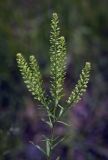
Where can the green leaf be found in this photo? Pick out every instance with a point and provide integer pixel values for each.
(37, 146)
(64, 123)
(57, 143)
(61, 110)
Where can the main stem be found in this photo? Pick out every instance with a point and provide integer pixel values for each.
(52, 122)
(50, 144)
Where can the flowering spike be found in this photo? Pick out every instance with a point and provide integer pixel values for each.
(58, 57)
(81, 86)
(31, 76)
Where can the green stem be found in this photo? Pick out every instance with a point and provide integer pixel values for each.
(50, 142)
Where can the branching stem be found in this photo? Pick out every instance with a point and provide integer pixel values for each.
(33, 80)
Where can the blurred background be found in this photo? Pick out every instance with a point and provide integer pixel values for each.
(25, 28)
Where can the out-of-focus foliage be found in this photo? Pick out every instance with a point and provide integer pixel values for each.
(24, 26)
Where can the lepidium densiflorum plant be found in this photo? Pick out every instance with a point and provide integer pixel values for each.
(32, 77)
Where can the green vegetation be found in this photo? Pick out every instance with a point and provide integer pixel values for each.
(33, 80)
